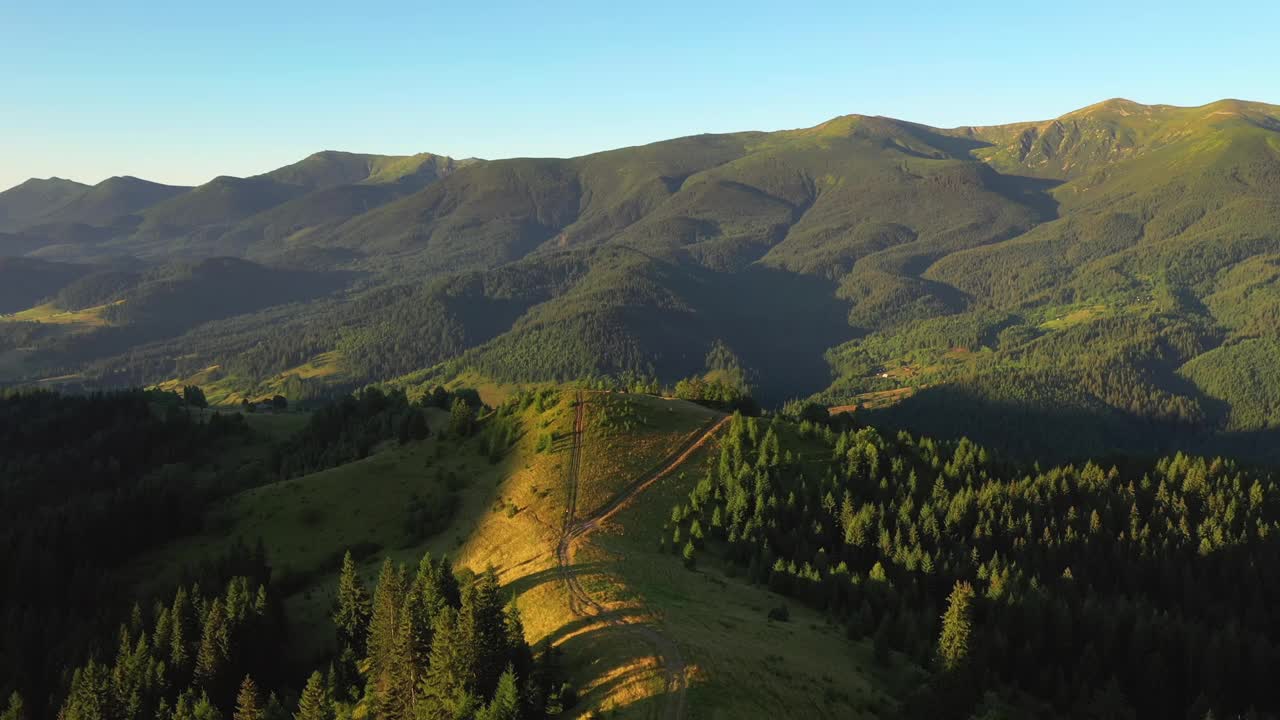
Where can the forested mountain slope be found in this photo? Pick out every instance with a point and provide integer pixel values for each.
(1113, 268)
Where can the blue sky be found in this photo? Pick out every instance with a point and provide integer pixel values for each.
(182, 92)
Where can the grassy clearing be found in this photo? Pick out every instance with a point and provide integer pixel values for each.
(627, 436)
(492, 392)
(223, 390)
(1075, 317)
(219, 390)
(49, 314)
(876, 400)
(323, 365)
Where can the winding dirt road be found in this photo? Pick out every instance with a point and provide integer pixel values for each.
(580, 602)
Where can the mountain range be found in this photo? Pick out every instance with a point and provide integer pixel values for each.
(1103, 280)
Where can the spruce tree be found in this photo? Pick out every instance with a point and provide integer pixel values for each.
(388, 600)
(274, 709)
(182, 708)
(15, 709)
(91, 696)
(425, 598)
(484, 622)
(447, 583)
(314, 703)
(215, 648)
(506, 699)
(396, 689)
(248, 702)
(204, 709)
(517, 647)
(182, 633)
(352, 613)
(461, 418)
(957, 626)
(449, 673)
(344, 676)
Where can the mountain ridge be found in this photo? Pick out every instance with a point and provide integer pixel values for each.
(1121, 105)
(1078, 265)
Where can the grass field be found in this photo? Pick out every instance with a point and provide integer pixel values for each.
(1075, 317)
(876, 400)
(218, 390)
(627, 435)
(223, 390)
(51, 315)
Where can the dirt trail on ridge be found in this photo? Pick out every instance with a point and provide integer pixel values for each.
(575, 529)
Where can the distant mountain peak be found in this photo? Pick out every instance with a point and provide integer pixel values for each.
(48, 182)
(333, 168)
(1121, 106)
(29, 201)
(133, 180)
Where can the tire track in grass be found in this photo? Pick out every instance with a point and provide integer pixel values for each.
(581, 603)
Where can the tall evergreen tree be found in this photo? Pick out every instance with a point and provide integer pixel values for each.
(462, 418)
(91, 696)
(15, 710)
(423, 599)
(182, 709)
(204, 709)
(388, 600)
(351, 616)
(520, 653)
(274, 709)
(249, 702)
(183, 633)
(483, 621)
(407, 665)
(215, 649)
(314, 703)
(450, 671)
(957, 626)
(505, 704)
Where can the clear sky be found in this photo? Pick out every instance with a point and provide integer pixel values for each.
(181, 92)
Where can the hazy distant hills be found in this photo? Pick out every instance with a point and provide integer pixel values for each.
(133, 217)
(1119, 262)
(27, 203)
